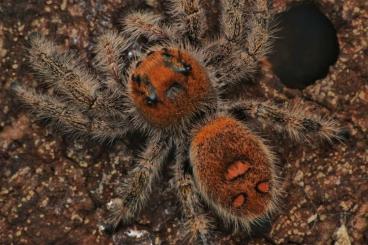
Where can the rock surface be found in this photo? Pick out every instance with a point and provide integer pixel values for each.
(54, 188)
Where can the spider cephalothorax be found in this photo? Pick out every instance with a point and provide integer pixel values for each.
(169, 85)
(174, 94)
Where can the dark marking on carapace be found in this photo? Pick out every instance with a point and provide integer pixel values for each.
(137, 79)
(174, 90)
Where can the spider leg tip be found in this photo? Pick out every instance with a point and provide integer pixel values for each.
(107, 228)
(14, 85)
(343, 134)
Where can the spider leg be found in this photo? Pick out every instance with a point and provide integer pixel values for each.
(258, 41)
(61, 71)
(295, 120)
(65, 75)
(233, 59)
(198, 224)
(136, 188)
(61, 114)
(146, 24)
(256, 31)
(108, 60)
(229, 63)
(233, 19)
(191, 20)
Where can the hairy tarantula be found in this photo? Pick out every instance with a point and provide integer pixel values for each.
(172, 92)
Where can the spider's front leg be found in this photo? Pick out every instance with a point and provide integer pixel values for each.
(64, 73)
(109, 49)
(233, 19)
(261, 28)
(248, 25)
(136, 188)
(146, 24)
(192, 22)
(70, 119)
(197, 225)
(233, 58)
(295, 120)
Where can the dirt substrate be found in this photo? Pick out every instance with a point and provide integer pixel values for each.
(54, 188)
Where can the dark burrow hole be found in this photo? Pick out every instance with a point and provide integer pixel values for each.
(305, 46)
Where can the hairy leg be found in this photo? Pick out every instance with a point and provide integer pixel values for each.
(295, 120)
(146, 24)
(249, 20)
(232, 20)
(192, 22)
(229, 63)
(62, 115)
(258, 41)
(76, 85)
(62, 71)
(232, 58)
(136, 188)
(197, 225)
(109, 49)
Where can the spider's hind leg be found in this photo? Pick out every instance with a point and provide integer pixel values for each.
(295, 120)
(197, 226)
(137, 186)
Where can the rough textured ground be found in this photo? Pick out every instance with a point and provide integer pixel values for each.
(53, 188)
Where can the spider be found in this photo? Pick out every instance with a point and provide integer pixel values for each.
(171, 89)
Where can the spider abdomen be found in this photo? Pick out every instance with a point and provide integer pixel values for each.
(233, 170)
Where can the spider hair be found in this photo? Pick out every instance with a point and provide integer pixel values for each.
(169, 81)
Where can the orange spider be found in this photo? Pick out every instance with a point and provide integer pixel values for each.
(173, 92)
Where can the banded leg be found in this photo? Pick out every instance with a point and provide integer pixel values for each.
(192, 22)
(136, 188)
(295, 120)
(197, 225)
(145, 24)
(61, 114)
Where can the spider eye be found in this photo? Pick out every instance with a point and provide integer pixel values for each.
(138, 63)
(152, 97)
(137, 79)
(166, 54)
(174, 90)
(186, 69)
(150, 53)
(151, 101)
